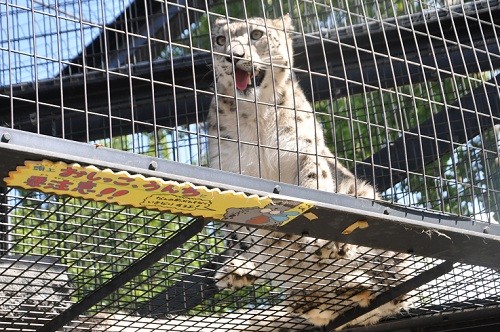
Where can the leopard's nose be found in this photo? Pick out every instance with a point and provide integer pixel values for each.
(237, 53)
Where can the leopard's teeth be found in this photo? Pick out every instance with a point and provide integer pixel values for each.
(251, 76)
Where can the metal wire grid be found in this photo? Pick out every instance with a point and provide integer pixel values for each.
(75, 247)
(147, 106)
(31, 29)
(42, 37)
(60, 250)
(462, 181)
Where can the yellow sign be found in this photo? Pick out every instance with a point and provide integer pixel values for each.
(122, 188)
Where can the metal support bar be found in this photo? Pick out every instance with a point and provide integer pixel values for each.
(484, 315)
(154, 21)
(93, 54)
(130, 272)
(185, 294)
(391, 294)
(142, 17)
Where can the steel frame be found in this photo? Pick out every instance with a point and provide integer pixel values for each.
(150, 17)
(484, 319)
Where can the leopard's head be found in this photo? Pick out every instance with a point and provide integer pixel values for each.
(252, 57)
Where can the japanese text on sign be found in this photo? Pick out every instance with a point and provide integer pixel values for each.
(122, 188)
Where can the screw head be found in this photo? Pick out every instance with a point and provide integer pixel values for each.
(153, 165)
(277, 189)
(6, 137)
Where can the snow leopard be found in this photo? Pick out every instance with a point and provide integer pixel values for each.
(261, 124)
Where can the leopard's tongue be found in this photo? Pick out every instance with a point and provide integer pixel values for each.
(242, 78)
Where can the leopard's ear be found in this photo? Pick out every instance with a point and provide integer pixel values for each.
(287, 22)
(219, 25)
(282, 23)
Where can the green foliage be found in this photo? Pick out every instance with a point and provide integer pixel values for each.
(460, 182)
(227, 301)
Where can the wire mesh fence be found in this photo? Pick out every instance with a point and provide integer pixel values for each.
(157, 103)
(63, 249)
(404, 93)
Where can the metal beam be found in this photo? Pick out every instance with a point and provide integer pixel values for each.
(484, 315)
(456, 124)
(391, 294)
(185, 294)
(144, 19)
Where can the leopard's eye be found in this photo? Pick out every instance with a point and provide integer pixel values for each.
(220, 40)
(256, 34)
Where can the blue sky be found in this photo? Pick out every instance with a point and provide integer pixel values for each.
(37, 37)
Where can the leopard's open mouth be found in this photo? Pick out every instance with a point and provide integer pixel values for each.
(245, 79)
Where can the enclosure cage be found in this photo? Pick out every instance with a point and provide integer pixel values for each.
(105, 224)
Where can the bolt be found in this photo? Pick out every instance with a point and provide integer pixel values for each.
(486, 230)
(386, 211)
(153, 165)
(6, 137)
(277, 189)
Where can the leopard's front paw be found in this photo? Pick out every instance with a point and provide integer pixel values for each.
(323, 249)
(236, 273)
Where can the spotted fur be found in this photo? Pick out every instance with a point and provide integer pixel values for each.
(261, 124)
